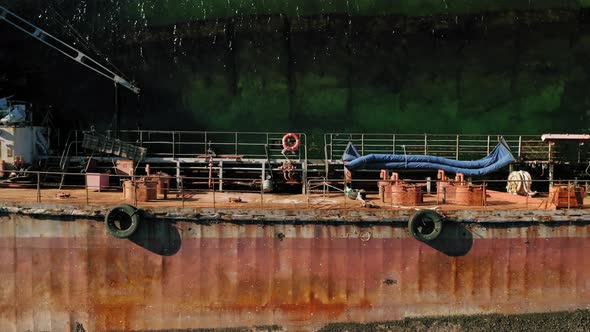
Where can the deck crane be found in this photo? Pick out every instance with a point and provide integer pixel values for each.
(64, 48)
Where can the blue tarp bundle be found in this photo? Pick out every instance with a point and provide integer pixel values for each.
(498, 158)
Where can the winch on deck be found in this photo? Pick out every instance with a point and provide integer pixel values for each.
(399, 192)
(459, 191)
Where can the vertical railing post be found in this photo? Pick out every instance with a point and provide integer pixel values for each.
(569, 186)
(262, 185)
(484, 193)
(457, 148)
(488, 147)
(86, 188)
(214, 199)
(519, 145)
(362, 144)
(134, 183)
(345, 196)
(38, 187)
(308, 193)
(331, 147)
(425, 144)
(326, 162)
(220, 175)
(173, 145)
(76, 135)
(181, 189)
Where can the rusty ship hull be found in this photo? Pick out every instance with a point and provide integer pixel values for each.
(62, 271)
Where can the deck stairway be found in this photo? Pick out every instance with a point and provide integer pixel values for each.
(105, 144)
(56, 170)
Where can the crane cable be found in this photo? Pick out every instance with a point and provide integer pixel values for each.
(69, 29)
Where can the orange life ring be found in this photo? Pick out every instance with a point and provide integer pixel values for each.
(286, 144)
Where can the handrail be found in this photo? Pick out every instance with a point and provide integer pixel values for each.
(315, 196)
(454, 146)
(66, 151)
(187, 144)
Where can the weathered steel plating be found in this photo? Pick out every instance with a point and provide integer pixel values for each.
(57, 273)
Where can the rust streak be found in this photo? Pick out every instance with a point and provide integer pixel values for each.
(228, 275)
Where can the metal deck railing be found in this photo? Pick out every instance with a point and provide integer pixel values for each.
(460, 147)
(322, 193)
(200, 144)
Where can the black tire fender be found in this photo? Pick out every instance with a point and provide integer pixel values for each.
(426, 225)
(118, 212)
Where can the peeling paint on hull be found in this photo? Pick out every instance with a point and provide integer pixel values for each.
(56, 274)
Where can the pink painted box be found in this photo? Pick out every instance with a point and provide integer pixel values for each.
(97, 181)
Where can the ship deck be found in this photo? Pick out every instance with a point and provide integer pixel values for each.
(496, 201)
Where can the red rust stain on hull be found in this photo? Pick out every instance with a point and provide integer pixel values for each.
(230, 275)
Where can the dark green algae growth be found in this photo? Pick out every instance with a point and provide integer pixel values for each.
(470, 67)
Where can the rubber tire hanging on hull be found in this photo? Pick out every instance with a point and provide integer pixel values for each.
(117, 213)
(424, 220)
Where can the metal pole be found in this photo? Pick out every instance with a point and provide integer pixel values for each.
(38, 187)
(308, 193)
(484, 189)
(173, 145)
(86, 188)
(569, 184)
(134, 183)
(116, 119)
(262, 186)
(181, 190)
(551, 168)
(220, 176)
